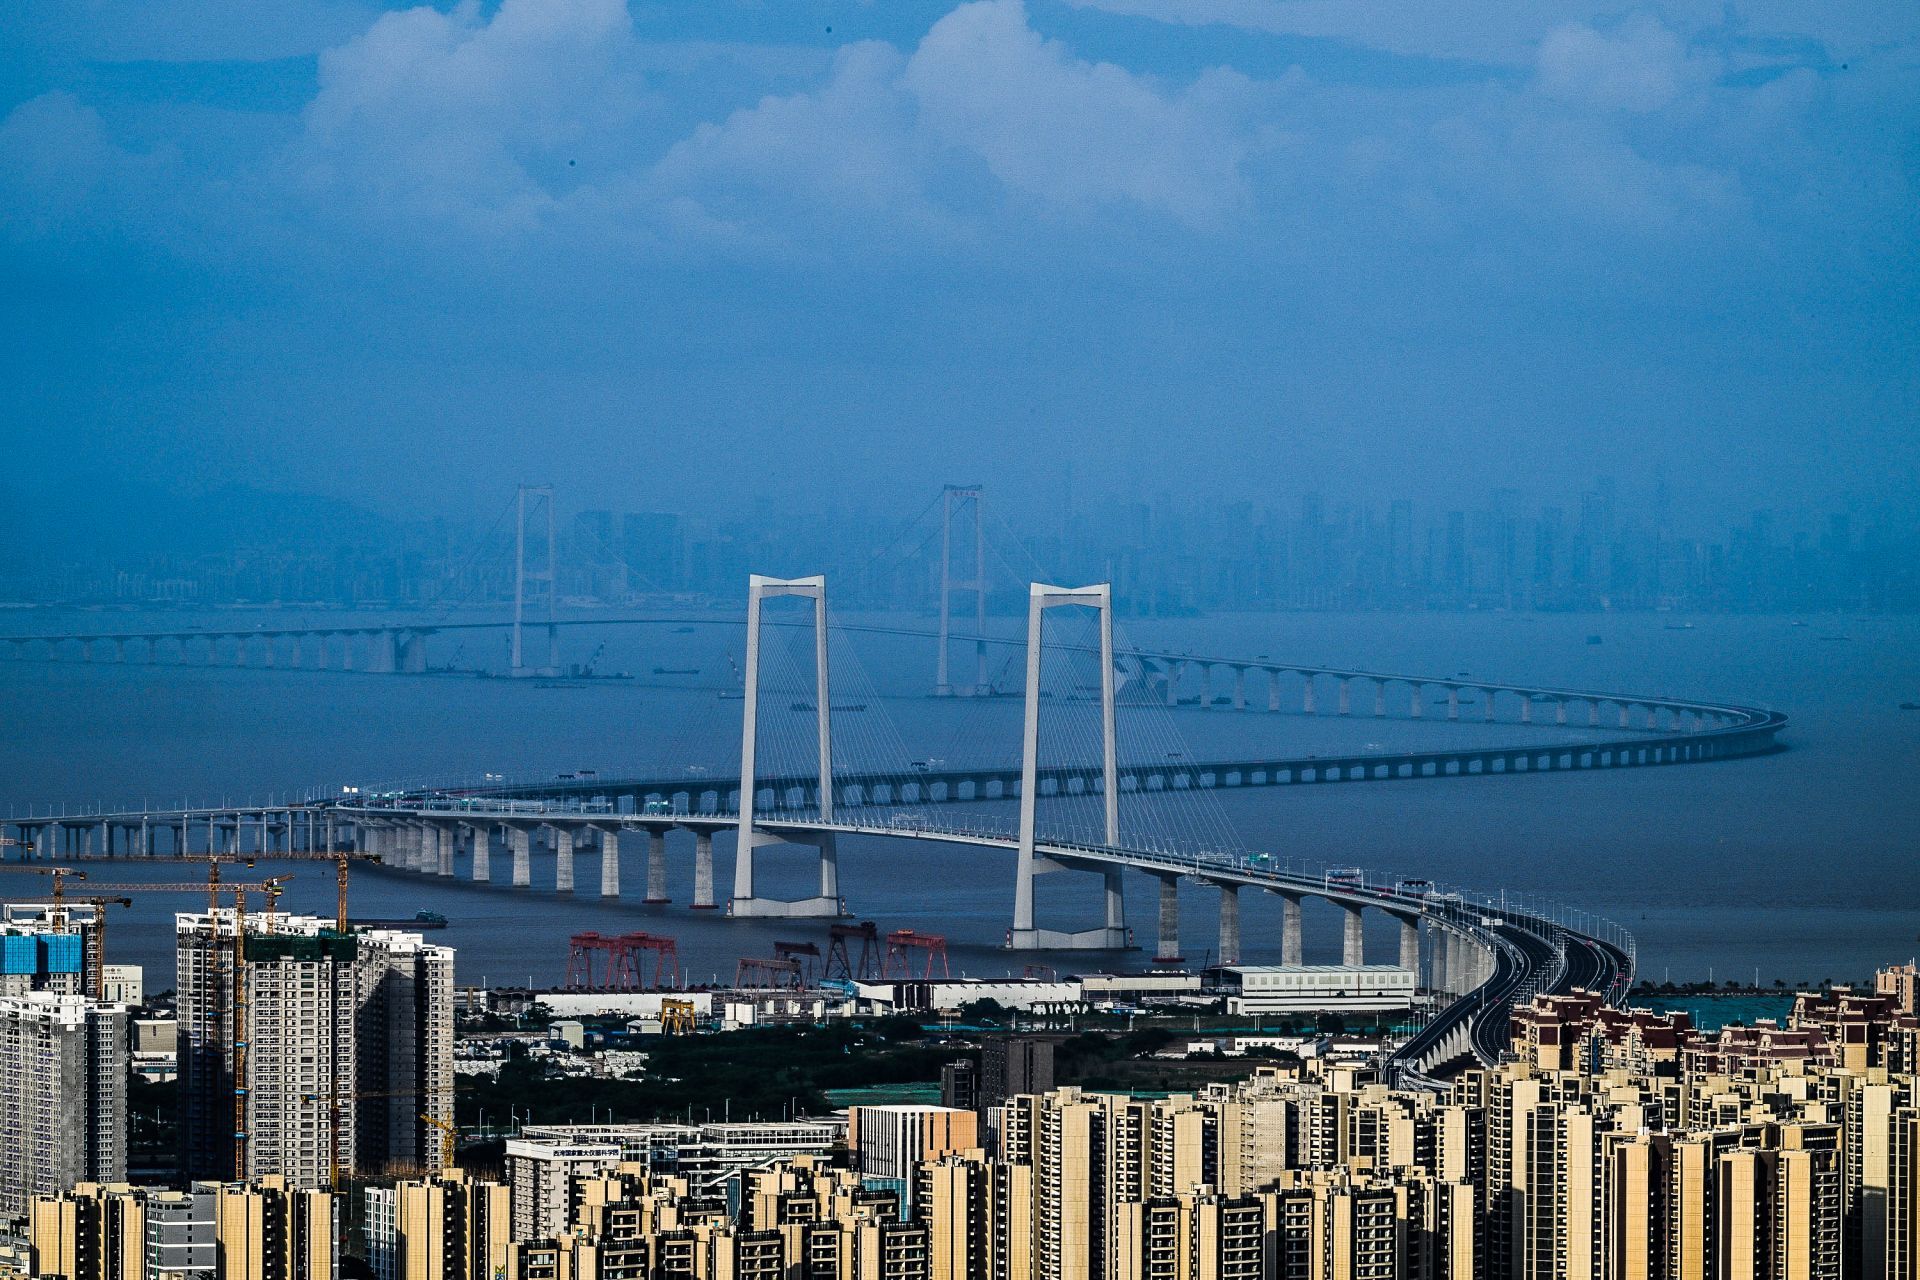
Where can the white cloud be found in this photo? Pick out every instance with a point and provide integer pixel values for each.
(1074, 133)
(1507, 32)
(58, 168)
(452, 116)
(1639, 66)
(847, 147)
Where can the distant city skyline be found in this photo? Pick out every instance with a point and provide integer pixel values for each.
(1608, 546)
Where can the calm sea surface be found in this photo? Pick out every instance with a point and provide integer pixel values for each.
(1800, 866)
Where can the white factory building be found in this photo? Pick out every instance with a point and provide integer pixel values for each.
(1337, 988)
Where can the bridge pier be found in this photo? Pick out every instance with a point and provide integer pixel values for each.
(1273, 689)
(563, 846)
(1353, 942)
(1239, 688)
(520, 841)
(703, 871)
(444, 836)
(1168, 950)
(657, 866)
(1410, 945)
(482, 838)
(1417, 707)
(1292, 946)
(1453, 702)
(1379, 698)
(1346, 696)
(1306, 697)
(609, 862)
(1229, 924)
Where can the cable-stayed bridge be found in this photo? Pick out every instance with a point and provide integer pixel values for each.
(1097, 788)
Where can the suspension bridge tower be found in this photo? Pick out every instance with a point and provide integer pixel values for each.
(534, 589)
(746, 902)
(969, 498)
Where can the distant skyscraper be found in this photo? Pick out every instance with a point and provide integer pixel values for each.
(652, 544)
(63, 1094)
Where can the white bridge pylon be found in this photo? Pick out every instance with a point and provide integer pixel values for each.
(1025, 936)
(745, 902)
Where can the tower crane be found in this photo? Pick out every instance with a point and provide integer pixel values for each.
(60, 877)
(449, 1132)
(100, 905)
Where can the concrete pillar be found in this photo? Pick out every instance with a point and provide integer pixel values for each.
(1593, 713)
(1239, 688)
(1291, 948)
(1353, 943)
(1416, 709)
(610, 863)
(562, 860)
(1229, 924)
(1526, 708)
(1173, 683)
(1379, 698)
(1116, 895)
(520, 840)
(1410, 944)
(1626, 721)
(1168, 952)
(830, 870)
(1306, 698)
(1346, 696)
(703, 871)
(445, 834)
(1206, 684)
(1453, 703)
(1560, 711)
(482, 852)
(657, 866)
(1273, 689)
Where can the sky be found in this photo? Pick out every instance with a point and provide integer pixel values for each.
(694, 255)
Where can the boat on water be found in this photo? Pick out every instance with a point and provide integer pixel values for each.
(683, 631)
(419, 920)
(1910, 706)
(1679, 626)
(837, 707)
(1593, 640)
(676, 671)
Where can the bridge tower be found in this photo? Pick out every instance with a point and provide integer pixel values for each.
(750, 838)
(1024, 936)
(952, 498)
(544, 582)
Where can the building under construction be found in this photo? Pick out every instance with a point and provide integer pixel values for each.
(311, 1053)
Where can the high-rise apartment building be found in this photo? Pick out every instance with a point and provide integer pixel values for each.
(449, 1227)
(304, 1052)
(64, 1061)
(261, 1230)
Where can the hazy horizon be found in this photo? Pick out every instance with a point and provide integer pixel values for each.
(835, 254)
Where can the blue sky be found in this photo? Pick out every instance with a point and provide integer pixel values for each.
(668, 254)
